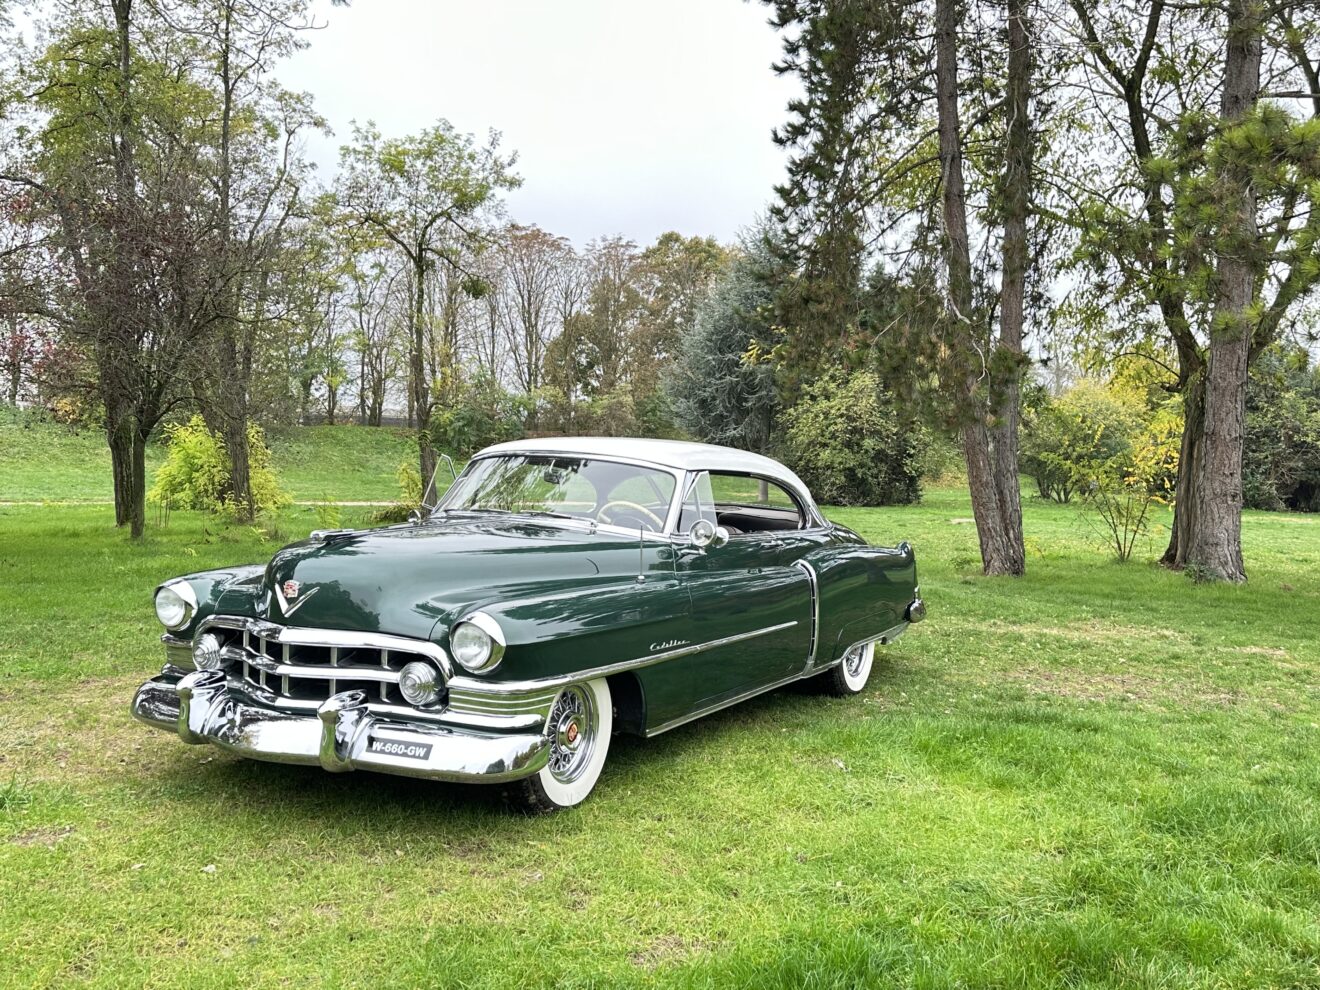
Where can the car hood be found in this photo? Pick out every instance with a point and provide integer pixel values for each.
(405, 579)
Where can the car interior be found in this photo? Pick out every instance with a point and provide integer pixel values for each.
(746, 504)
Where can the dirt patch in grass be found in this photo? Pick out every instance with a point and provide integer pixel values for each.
(45, 835)
(1094, 629)
(667, 950)
(1140, 689)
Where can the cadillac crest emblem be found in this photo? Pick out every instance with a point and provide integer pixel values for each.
(291, 589)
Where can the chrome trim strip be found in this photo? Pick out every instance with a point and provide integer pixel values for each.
(886, 637)
(726, 703)
(472, 685)
(815, 608)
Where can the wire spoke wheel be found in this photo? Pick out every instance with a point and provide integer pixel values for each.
(573, 734)
(578, 732)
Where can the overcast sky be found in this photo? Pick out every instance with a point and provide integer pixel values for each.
(629, 116)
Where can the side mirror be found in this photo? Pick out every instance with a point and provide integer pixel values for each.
(705, 533)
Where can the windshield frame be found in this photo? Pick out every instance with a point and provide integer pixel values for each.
(670, 519)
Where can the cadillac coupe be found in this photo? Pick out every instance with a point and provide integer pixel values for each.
(562, 591)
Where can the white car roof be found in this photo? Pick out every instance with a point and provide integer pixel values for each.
(680, 455)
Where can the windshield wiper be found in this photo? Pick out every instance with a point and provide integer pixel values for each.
(548, 514)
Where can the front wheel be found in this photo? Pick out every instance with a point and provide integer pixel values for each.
(581, 722)
(849, 675)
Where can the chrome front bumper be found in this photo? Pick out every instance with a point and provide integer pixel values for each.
(342, 734)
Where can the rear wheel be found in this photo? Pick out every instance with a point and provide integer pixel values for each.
(849, 675)
(581, 722)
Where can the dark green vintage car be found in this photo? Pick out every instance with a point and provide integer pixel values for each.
(563, 590)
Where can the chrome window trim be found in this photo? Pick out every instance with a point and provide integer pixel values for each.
(671, 519)
(813, 520)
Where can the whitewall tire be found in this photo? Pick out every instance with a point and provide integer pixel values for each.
(580, 726)
(850, 675)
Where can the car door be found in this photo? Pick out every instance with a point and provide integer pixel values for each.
(752, 614)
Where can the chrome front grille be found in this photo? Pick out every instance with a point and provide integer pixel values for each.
(300, 668)
(306, 672)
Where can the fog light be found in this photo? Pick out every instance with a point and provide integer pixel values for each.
(208, 652)
(419, 683)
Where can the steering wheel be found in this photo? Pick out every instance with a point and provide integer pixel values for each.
(641, 510)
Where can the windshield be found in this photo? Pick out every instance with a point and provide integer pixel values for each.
(608, 492)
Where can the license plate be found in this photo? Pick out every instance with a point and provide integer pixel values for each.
(392, 747)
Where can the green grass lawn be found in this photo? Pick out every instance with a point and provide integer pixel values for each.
(1099, 775)
(43, 460)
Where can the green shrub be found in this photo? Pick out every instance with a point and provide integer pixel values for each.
(196, 472)
(1281, 458)
(483, 412)
(1070, 438)
(846, 441)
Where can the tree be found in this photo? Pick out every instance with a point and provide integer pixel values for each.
(676, 274)
(258, 175)
(428, 196)
(110, 161)
(536, 268)
(715, 392)
(1199, 212)
(883, 125)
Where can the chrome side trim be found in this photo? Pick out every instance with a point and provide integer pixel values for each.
(726, 703)
(815, 608)
(474, 686)
(886, 637)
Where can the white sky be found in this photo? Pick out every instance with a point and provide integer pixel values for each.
(629, 117)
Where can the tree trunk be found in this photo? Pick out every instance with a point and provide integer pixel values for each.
(128, 460)
(1185, 485)
(1215, 550)
(240, 466)
(1017, 204)
(996, 546)
(420, 392)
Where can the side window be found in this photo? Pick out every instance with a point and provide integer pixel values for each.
(748, 504)
(698, 503)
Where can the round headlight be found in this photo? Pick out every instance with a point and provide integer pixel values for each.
(419, 683)
(207, 652)
(172, 609)
(477, 642)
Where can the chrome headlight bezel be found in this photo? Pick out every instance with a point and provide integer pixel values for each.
(176, 604)
(477, 629)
